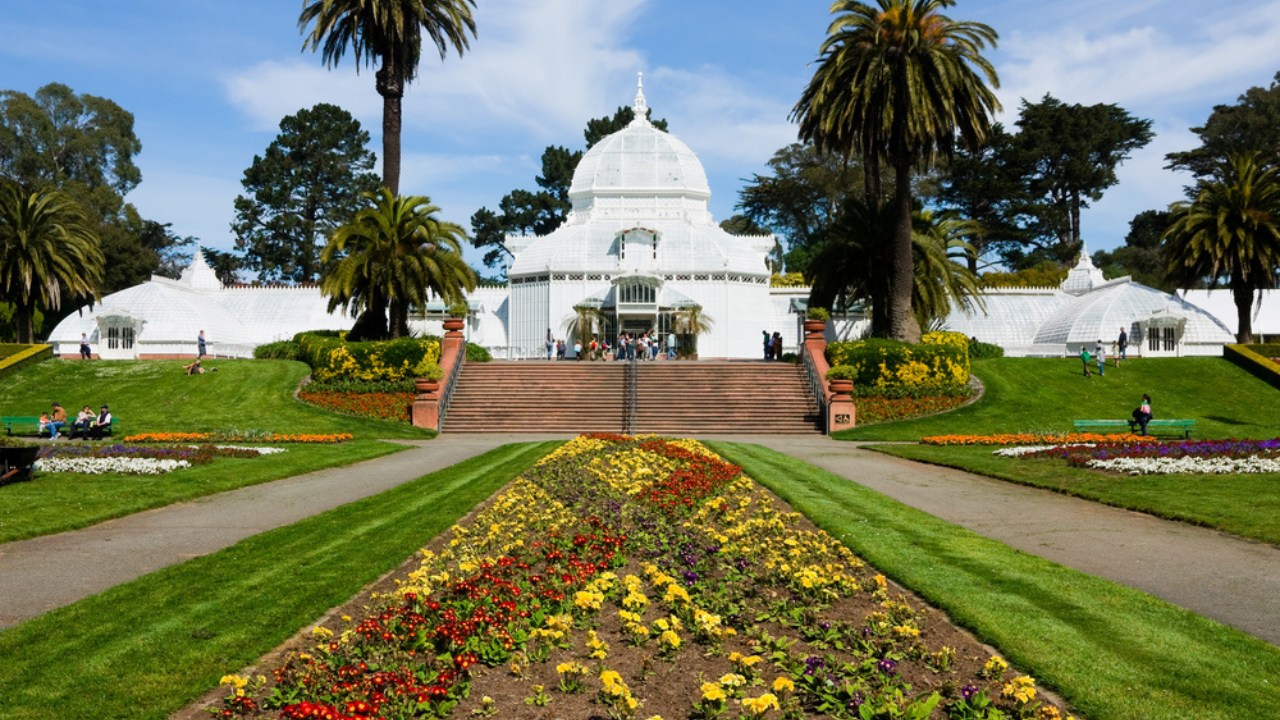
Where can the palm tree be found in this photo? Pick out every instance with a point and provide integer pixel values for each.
(691, 322)
(47, 248)
(899, 81)
(585, 322)
(942, 282)
(1230, 230)
(387, 33)
(393, 255)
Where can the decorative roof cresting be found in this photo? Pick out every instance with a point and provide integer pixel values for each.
(641, 107)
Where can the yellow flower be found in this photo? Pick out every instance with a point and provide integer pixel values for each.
(760, 705)
(669, 639)
(733, 680)
(783, 684)
(235, 681)
(712, 692)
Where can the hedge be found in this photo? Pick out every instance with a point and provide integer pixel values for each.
(15, 357)
(478, 354)
(1256, 359)
(332, 358)
(942, 365)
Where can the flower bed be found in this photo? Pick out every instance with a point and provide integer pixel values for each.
(1032, 439)
(876, 409)
(1206, 457)
(636, 578)
(381, 405)
(234, 436)
(135, 460)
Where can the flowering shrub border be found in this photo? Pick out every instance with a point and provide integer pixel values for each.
(1032, 439)
(135, 460)
(615, 559)
(378, 405)
(234, 436)
(1205, 457)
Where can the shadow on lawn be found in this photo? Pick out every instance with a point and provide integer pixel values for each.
(1227, 420)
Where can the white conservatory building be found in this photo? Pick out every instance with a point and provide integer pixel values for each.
(639, 244)
(1058, 321)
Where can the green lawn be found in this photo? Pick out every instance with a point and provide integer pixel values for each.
(57, 502)
(1114, 653)
(1046, 395)
(156, 396)
(1245, 505)
(146, 648)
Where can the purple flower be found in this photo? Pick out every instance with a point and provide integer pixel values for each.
(886, 666)
(968, 691)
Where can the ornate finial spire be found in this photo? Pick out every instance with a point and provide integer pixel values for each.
(641, 108)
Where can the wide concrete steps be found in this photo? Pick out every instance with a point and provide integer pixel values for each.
(685, 398)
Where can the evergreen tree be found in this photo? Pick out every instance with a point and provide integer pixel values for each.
(308, 183)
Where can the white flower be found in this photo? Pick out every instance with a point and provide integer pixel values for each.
(1014, 452)
(110, 465)
(1188, 464)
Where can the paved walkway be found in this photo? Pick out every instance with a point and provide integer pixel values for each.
(44, 573)
(1234, 581)
(1220, 576)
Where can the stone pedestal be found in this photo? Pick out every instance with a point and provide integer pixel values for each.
(840, 413)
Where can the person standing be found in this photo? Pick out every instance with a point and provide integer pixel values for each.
(1085, 359)
(671, 346)
(653, 345)
(85, 352)
(777, 346)
(1124, 343)
(200, 342)
(768, 345)
(1101, 352)
(57, 421)
(550, 344)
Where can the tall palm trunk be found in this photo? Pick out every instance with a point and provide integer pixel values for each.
(399, 319)
(903, 320)
(372, 323)
(390, 86)
(1242, 293)
(23, 320)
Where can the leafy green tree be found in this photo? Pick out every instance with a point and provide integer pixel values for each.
(1072, 152)
(1140, 257)
(84, 146)
(987, 184)
(390, 34)
(538, 212)
(1252, 124)
(46, 248)
(307, 184)
(226, 266)
(1231, 230)
(393, 255)
(900, 81)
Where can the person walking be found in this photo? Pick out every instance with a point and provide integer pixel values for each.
(85, 352)
(550, 344)
(1085, 360)
(1124, 343)
(200, 343)
(671, 346)
(1101, 352)
(1115, 354)
(768, 345)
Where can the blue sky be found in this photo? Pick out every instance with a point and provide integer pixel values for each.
(209, 80)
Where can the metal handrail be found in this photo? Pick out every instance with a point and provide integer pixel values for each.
(815, 386)
(632, 398)
(454, 373)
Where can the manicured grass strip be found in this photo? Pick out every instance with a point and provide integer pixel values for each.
(147, 648)
(1114, 653)
(157, 396)
(57, 502)
(1047, 394)
(1244, 505)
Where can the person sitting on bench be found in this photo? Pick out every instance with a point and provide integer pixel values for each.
(82, 424)
(1142, 415)
(101, 424)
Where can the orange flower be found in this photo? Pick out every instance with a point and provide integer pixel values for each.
(1034, 439)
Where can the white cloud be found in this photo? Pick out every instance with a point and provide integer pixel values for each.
(195, 204)
(271, 90)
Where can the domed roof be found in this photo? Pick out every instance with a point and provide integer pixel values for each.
(1101, 312)
(640, 160)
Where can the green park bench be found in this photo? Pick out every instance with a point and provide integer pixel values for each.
(31, 425)
(1185, 426)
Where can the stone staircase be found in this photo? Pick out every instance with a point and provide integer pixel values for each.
(684, 398)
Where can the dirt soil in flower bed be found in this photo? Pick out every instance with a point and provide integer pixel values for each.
(669, 685)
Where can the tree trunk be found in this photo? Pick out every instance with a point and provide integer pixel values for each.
(904, 325)
(399, 319)
(22, 321)
(871, 181)
(1075, 218)
(391, 87)
(1243, 295)
(372, 323)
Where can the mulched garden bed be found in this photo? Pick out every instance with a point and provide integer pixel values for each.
(652, 575)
